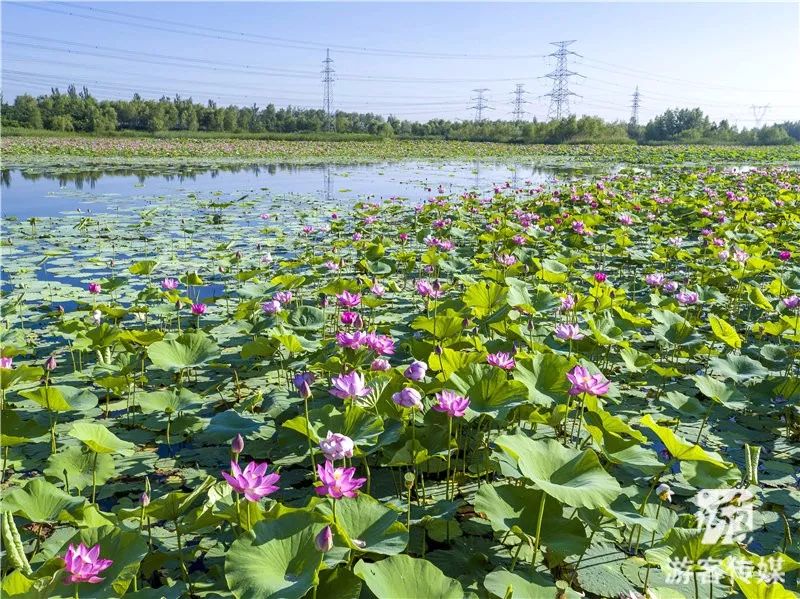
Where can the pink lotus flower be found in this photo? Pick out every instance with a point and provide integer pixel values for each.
(655, 279)
(6, 362)
(450, 402)
(501, 360)
(283, 297)
(416, 371)
(84, 564)
(349, 386)
(271, 307)
(331, 265)
(351, 319)
(383, 345)
(380, 365)
(567, 303)
(785, 255)
(600, 277)
(687, 298)
(199, 309)
(507, 260)
(585, 382)
(302, 382)
(95, 288)
(670, 287)
(338, 482)
(354, 340)
(337, 446)
(348, 300)
(378, 289)
(408, 398)
(568, 331)
(791, 302)
(424, 288)
(253, 482)
(169, 284)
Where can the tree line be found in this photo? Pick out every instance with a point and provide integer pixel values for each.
(79, 111)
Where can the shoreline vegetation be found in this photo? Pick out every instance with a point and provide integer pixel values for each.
(24, 149)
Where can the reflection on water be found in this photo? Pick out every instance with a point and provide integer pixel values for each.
(47, 190)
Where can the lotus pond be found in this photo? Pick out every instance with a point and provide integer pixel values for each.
(400, 381)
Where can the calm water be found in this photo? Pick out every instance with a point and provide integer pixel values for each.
(48, 191)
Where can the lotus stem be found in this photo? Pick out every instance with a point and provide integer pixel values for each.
(447, 472)
(538, 530)
(308, 437)
(94, 476)
(180, 557)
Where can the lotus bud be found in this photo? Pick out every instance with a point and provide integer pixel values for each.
(237, 445)
(144, 499)
(50, 364)
(324, 540)
(60, 310)
(178, 304)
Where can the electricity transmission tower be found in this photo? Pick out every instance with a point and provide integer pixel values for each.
(635, 104)
(519, 100)
(559, 96)
(481, 103)
(327, 81)
(759, 112)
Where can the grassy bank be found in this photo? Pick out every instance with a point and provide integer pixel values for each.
(23, 148)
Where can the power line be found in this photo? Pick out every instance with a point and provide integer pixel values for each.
(232, 67)
(239, 36)
(327, 82)
(481, 103)
(519, 100)
(635, 104)
(559, 96)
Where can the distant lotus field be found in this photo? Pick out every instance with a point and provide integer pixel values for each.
(580, 388)
(28, 148)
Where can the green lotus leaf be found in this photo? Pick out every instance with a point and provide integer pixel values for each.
(368, 526)
(278, 560)
(738, 367)
(404, 576)
(99, 439)
(40, 501)
(78, 464)
(361, 426)
(168, 401)
(545, 377)
(9, 377)
(677, 447)
(724, 331)
(570, 476)
(15, 430)
(306, 319)
(189, 350)
(489, 389)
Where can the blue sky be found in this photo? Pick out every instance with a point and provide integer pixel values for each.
(415, 60)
